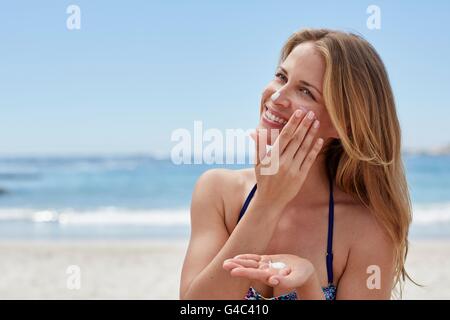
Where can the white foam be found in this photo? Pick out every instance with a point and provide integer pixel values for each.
(434, 213)
(423, 215)
(101, 216)
(45, 216)
(15, 214)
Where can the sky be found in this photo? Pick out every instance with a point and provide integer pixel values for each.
(138, 70)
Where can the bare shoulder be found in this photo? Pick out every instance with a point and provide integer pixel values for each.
(221, 180)
(225, 191)
(223, 187)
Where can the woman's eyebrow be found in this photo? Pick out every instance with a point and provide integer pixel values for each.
(310, 85)
(302, 81)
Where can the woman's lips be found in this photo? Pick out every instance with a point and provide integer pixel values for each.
(272, 118)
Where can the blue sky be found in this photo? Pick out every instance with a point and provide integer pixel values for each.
(137, 70)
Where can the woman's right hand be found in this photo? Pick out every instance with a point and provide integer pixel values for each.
(281, 172)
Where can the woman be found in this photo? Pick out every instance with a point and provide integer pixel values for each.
(336, 212)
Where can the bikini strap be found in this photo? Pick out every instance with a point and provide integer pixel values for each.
(247, 202)
(329, 257)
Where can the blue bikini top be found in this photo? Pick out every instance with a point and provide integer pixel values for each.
(330, 290)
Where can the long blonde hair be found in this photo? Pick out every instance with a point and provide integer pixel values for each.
(366, 159)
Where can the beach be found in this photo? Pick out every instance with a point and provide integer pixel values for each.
(55, 211)
(151, 269)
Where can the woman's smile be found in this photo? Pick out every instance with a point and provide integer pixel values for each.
(273, 119)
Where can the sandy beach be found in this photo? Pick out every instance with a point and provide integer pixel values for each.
(151, 269)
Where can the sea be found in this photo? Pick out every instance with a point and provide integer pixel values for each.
(142, 197)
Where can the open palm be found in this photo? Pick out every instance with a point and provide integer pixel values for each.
(260, 267)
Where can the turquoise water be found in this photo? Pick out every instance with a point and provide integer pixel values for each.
(123, 197)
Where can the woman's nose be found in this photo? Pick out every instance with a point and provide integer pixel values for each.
(275, 95)
(278, 97)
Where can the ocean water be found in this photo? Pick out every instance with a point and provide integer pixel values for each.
(142, 197)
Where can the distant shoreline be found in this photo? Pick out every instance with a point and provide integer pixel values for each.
(438, 151)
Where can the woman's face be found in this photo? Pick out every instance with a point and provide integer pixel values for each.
(299, 81)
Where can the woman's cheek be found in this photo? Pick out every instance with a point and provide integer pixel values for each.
(268, 91)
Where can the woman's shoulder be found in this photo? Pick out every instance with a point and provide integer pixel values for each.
(225, 184)
(225, 189)
(226, 179)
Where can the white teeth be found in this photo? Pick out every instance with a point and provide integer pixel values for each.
(273, 117)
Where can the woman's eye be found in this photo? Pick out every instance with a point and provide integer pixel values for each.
(281, 76)
(307, 92)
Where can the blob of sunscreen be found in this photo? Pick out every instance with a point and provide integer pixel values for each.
(275, 96)
(277, 265)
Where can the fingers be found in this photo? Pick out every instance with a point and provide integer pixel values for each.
(260, 138)
(288, 130)
(285, 271)
(281, 279)
(250, 273)
(262, 275)
(283, 139)
(243, 263)
(230, 265)
(251, 256)
(248, 268)
(266, 258)
(303, 129)
(306, 145)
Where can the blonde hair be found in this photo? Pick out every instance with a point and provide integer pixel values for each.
(366, 159)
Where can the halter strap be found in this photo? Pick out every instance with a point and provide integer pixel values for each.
(329, 257)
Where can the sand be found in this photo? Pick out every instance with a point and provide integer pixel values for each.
(151, 269)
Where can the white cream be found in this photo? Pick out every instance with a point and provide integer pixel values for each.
(275, 95)
(276, 265)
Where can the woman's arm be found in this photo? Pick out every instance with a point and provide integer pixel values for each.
(293, 153)
(203, 276)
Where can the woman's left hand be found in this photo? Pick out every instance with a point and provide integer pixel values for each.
(257, 267)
